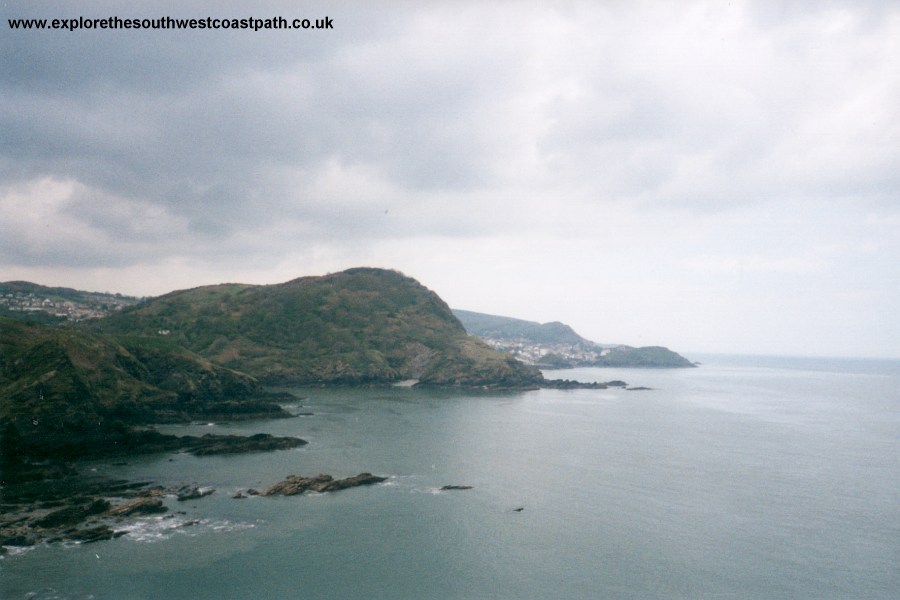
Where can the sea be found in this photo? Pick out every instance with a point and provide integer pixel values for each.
(748, 477)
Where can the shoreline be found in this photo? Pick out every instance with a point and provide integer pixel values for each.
(47, 497)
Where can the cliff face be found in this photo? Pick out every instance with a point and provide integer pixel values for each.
(358, 326)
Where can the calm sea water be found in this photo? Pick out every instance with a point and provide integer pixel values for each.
(745, 478)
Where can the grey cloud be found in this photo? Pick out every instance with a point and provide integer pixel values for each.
(456, 122)
(195, 122)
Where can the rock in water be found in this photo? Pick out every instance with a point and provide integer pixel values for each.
(189, 493)
(295, 484)
(141, 506)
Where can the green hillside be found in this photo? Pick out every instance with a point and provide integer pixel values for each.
(357, 326)
(507, 328)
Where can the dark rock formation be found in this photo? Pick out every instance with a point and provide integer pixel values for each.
(233, 444)
(456, 487)
(295, 484)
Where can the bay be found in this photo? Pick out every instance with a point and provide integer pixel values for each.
(749, 477)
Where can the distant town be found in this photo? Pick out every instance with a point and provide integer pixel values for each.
(74, 308)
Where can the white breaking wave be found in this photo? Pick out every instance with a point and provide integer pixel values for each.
(155, 529)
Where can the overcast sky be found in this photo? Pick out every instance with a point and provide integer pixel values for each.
(708, 176)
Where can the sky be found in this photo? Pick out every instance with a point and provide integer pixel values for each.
(706, 176)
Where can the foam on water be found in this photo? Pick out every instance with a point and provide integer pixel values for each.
(51, 594)
(156, 529)
(12, 551)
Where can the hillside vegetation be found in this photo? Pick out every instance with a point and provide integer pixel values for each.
(357, 326)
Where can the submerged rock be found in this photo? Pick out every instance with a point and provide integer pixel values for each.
(192, 493)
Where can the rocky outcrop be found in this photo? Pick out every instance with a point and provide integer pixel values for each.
(295, 484)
